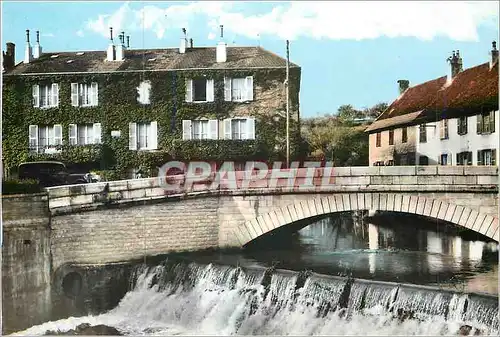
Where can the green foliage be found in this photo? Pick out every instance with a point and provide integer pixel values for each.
(14, 186)
(118, 106)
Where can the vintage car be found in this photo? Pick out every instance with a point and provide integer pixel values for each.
(53, 173)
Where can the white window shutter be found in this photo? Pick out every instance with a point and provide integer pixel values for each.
(74, 94)
(227, 128)
(72, 134)
(33, 136)
(132, 136)
(249, 88)
(186, 129)
(36, 95)
(210, 90)
(153, 136)
(227, 89)
(189, 90)
(58, 134)
(97, 133)
(55, 94)
(213, 127)
(95, 94)
(250, 128)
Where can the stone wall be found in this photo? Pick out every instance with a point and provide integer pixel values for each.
(26, 267)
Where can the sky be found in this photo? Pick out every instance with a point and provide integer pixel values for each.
(350, 52)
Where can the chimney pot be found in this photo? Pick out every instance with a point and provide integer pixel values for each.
(9, 56)
(27, 35)
(455, 64)
(28, 55)
(128, 41)
(37, 36)
(403, 85)
(221, 31)
(190, 43)
(111, 33)
(183, 46)
(37, 52)
(494, 54)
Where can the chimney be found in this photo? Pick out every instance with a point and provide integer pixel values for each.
(403, 85)
(111, 48)
(191, 43)
(494, 54)
(38, 49)
(9, 57)
(221, 52)
(120, 48)
(182, 48)
(456, 64)
(28, 56)
(128, 41)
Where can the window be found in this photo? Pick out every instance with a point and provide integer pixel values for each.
(379, 163)
(423, 160)
(403, 160)
(486, 123)
(45, 96)
(423, 133)
(390, 163)
(144, 91)
(143, 136)
(404, 135)
(462, 126)
(84, 94)
(200, 90)
(464, 158)
(239, 128)
(486, 157)
(443, 159)
(42, 138)
(379, 139)
(84, 134)
(391, 137)
(200, 129)
(443, 129)
(238, 89)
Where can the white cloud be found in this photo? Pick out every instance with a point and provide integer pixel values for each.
(319, 20)
(80, 33)
(211, 36)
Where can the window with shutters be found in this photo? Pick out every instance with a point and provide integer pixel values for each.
(462, 126)
(378, 142)
(200, 129)
(46, 96)
(464, 158)
(238, 89)
(391, 137)
(143, 136)
(84, 134)
(84, 94)
(199, 90)
(486, 157)
(486, 123)
(43, 138)
(144, 92)
(422, 134)
(443, 129)
(239, 128)
(404, 135)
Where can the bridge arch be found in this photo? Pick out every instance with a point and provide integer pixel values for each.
(469, 218)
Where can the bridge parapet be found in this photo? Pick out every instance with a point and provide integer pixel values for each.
(473, 179)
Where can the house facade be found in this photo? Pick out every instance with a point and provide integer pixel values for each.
(121, 109)
(451, 120)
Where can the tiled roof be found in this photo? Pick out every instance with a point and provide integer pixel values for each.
(151, 59)
(469, 90)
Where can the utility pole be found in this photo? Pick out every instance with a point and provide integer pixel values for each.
(287, 105)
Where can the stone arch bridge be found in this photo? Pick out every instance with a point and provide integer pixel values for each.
(123, 220)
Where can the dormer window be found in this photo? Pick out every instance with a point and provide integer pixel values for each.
(45, 96)
(84, 94)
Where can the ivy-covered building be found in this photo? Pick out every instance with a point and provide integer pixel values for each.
(122, 109)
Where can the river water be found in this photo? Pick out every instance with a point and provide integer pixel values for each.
(227, 293)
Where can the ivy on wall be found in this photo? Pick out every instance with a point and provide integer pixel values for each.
(118, 106)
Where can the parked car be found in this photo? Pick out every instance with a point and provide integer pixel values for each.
(53, 173)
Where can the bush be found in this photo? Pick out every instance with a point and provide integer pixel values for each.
(14, 186)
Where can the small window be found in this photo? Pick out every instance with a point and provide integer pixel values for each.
(200, 90)
(85, 134)
(443, 159)
(486, 157)
(379, 139)
(464, 158)
(404, 135)
(443, 128)
(423, 133)
(423, 161)
(84, 94)
(239, 128)
(486, 123)
(391, 137)
(462, 126)
(200, 129)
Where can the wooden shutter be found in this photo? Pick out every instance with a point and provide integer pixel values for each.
(227, 128)
(55, 94)
(153, 136)
(250, 128)
(249, 88)
(186, 129)
(213, 129)
(72, 134)
(97, 133)
(479, 124)
(58, 134)
(33, 136)
(74, 94)
(189, 90)
(227, 89)
(36, 95)
(210, 90)
(132, 136)
(95, 93)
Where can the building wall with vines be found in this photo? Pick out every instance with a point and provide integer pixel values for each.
(118, 106)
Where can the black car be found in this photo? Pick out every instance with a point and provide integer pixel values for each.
(52, 173)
